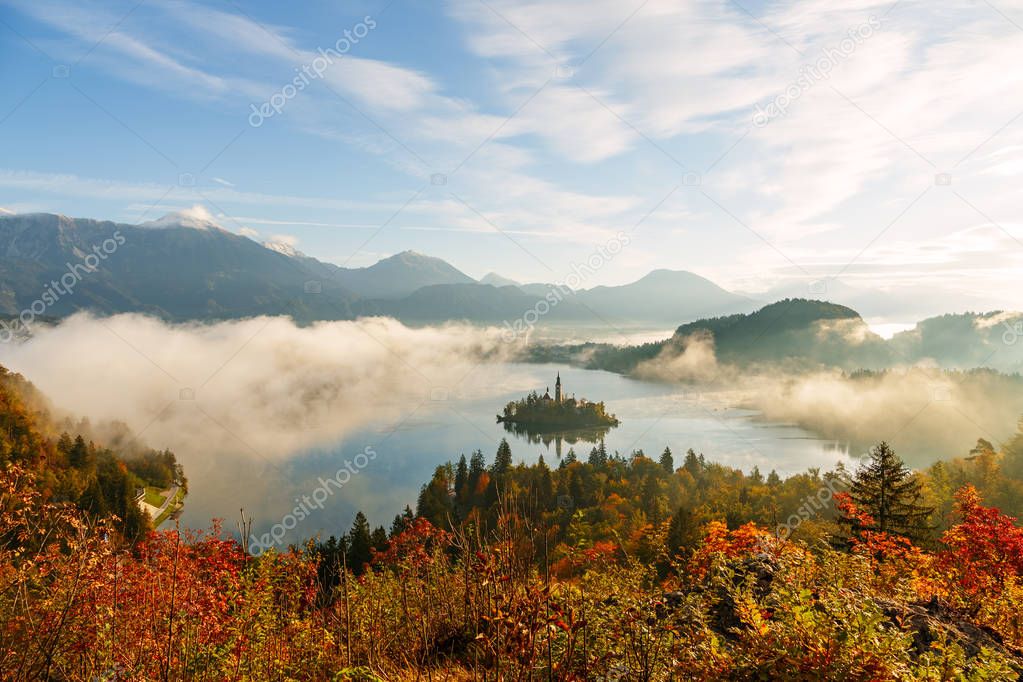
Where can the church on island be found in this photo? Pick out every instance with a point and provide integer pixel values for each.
(557, 412)
(559, 397)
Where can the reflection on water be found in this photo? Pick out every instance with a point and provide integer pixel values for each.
(461, 420)
(557, 438)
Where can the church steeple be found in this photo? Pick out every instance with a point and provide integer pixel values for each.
(557, 389)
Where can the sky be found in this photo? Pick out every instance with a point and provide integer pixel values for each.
(767, 146)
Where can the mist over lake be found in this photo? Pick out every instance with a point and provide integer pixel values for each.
(409, 448)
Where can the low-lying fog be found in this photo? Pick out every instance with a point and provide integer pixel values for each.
(929, 413)
(259, 410)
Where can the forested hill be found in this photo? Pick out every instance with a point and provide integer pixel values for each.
(69, 464)
(800, 333)
(813, 331)
(793, 315)
(878, 573)
(794, 331)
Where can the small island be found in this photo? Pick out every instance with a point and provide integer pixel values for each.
(543, 413)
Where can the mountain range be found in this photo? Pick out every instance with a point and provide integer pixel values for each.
(184, 267)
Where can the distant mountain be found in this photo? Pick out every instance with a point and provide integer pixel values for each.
(400, 275)
(473, 302)
(184, 266)
(662, 297)
(539, 289)
(668, 296)
(177, 267)
(496, 280)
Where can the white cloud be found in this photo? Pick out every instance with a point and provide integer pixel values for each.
(196, 217)
(284, 244)
(930, 86)
(927, 78)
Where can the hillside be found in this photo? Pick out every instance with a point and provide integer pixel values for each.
(810, 331)
(800, 334)
(993, 339)
(185, 268)
(72, 462)
(662, 296)
(169, 269)
(794, 332)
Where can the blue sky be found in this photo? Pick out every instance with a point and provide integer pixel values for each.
(521, 137)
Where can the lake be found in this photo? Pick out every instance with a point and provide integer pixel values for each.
(389, 461)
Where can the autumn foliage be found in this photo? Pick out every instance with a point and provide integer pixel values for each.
(607, 587)
(78, 604)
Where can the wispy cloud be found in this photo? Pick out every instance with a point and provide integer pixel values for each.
(568, 120)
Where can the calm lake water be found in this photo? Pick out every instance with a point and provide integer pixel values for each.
(461, 419)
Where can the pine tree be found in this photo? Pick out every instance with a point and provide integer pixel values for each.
(683, 532)
(598, 456)
(435, 503)
(93, 500)
(667, 461)
(462, 497)
(64, 445)
(328, 568)
(360, 543)
(477, 468)
(693, 464)
(653, 503)
(500, 474)
(461, 473)
(890, 494)
(503, 459)
(79, 457)
(402, 521)
(379, 539)
(544, 485)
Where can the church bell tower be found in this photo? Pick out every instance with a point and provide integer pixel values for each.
(557, 390)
